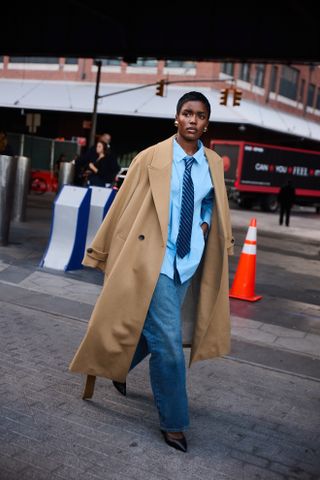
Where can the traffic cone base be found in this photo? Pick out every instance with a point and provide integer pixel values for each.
(244, 281)
(248, 299)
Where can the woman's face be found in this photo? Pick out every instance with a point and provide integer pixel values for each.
(192, 119)
(99, 148)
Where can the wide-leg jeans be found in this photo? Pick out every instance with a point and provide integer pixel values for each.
(162, 338)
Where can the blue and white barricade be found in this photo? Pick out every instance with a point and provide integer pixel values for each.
(68, 229)
(101, 199)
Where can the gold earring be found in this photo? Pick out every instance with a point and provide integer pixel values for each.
(205, 129)
(176, 123)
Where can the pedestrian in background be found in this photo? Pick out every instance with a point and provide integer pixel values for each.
(165, 240)
(286, 198)
(5, 147)
(103, 170)
(91, 155)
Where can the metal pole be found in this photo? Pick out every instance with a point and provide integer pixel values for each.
(21, 145)
(8, 167)
(94, 113)
(52, 147)
(21, 189)
(66, 174)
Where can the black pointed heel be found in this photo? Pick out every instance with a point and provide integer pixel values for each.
(121, 387)
(177, 443)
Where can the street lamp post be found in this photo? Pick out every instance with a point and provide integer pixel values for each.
(160, 91)
(95, 105)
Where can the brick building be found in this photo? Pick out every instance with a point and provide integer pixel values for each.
(280, 103)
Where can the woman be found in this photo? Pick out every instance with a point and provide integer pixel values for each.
(5, 147)
(166, 236)
(103, 170)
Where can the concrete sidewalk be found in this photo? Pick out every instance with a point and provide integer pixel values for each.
(254, 413)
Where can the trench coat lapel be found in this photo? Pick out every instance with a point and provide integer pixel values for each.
(159, 172)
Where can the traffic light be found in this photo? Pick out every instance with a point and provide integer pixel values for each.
(224, 96)
(237, 94)
(160, 88)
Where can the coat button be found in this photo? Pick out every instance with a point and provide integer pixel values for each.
(89, 250)
(141, 237)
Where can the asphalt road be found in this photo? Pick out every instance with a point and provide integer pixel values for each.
(286, 268)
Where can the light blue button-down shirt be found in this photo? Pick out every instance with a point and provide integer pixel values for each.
(203, 205)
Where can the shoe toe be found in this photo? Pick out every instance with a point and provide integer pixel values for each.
(121, 387)
(177, 443)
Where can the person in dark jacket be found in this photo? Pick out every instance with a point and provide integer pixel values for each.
(286, 198)
(103, 170)
(5, 147)
(90, 156)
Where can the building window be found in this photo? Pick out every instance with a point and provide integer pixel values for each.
(311, 93)
(273, 79)
(227, 68)
(43, 60)
(259, 77)
(289, 82)
(144, 62)
(177, 67)
(244, 73)
(179, 64)
(71, 61)
(106, 62)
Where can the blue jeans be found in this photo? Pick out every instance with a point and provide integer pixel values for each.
(162, 338)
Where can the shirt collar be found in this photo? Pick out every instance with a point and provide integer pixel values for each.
(179, 154)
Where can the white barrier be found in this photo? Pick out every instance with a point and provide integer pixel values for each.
(68, 229)
(101, 199)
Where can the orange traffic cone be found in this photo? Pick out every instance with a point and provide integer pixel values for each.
(244, 281)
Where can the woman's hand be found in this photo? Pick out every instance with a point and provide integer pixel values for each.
(93, 167)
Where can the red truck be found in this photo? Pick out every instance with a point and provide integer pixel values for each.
(254, 173)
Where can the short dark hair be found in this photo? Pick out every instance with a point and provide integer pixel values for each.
(193, 97)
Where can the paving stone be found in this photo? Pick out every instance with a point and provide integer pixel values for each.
(252, 420)
(10, 464)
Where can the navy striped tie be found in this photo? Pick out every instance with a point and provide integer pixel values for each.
(186, 214)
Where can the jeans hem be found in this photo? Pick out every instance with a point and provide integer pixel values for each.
(177, 429)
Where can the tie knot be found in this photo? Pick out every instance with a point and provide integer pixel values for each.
(188, 162)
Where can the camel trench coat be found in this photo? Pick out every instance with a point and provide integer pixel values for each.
(129, 248)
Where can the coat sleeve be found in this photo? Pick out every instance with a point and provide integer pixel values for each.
(97, 254)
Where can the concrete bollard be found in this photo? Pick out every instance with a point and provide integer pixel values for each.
(66, 174)
(22, 185)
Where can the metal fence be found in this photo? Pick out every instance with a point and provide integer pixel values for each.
(44, 152)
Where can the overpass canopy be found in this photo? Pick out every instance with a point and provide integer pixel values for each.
(79, 97)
